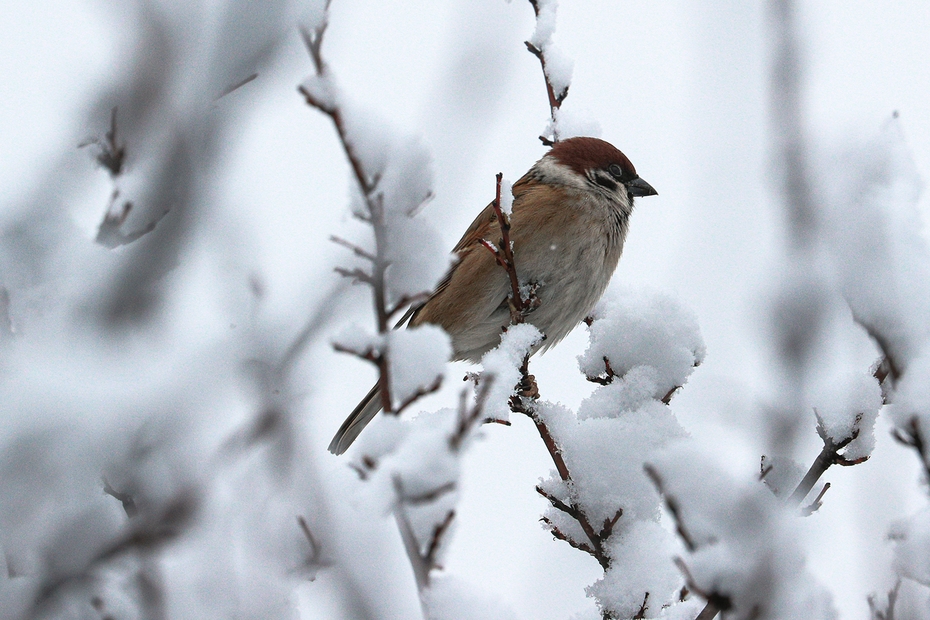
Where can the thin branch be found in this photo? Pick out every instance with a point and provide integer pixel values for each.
(830, 455)
(236, 86)
(419, 393)
(503, 254)
(126, 499)
(315, 547)
(112, 155)
(817, 503)
(641, 614)
(672, 504)
(356, 275)
(910, 435)
(558, 504)
(555, 99)
(468, 418)
(559, 534)
(888, 612)
(357, 250)
(436, 539)
(715, 602)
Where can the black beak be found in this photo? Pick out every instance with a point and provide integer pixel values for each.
(638, 187)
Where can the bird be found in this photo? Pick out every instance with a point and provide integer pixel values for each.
(570, 216)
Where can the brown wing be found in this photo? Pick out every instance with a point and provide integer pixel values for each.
(478, 230)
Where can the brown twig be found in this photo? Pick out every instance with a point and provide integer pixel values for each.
(715, 602)
(597, 539)
(555, 99)
(503, 254)
(817, 503)
(374, 203)
(641, 614)
(420, 393)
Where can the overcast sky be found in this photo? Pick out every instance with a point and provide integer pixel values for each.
(679, 86)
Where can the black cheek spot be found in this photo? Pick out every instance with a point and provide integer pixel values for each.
(606, 182)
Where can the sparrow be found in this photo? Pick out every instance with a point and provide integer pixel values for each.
(569, 219)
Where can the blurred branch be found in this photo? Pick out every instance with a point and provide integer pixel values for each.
(468, 418)
(126, 499)
(830, 455)
(148, 532)
(911, 436)
(112, 152)
(230, 89)
(374, 202)
(422, 562)
(888, 612)
(672, 504)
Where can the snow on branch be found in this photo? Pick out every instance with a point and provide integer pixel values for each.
(393, 181)
(556, 68)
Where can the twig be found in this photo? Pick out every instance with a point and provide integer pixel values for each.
(673, 508)
(830, 455)
(315, 547)
(555, 99)
(641, 614)
(597, 538)
(126, 499)
(419, 393)
(236, 86)
(468, 418)
(422, 563)
(559, 534)
(817, 503)
(374, 202)
(888, 612)
(112, 155)
(715, 602)
(910, 435)
(503, 254)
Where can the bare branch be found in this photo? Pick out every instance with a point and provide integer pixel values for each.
(672, 504)
(357, 250)
(419, 393)
(112, 155)
(830, 455)
(236, 86)
(467, 418)
(356, 275)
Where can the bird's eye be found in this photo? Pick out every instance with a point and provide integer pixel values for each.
(615, 170)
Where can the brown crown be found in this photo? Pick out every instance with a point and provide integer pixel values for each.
(583, 154)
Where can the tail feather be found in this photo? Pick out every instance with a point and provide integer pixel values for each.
(356, 422)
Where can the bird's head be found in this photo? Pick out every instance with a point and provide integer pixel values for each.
(596, 166)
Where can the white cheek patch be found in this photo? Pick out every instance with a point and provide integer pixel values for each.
(551, 171)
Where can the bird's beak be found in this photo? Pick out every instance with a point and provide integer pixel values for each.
(638, 187)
